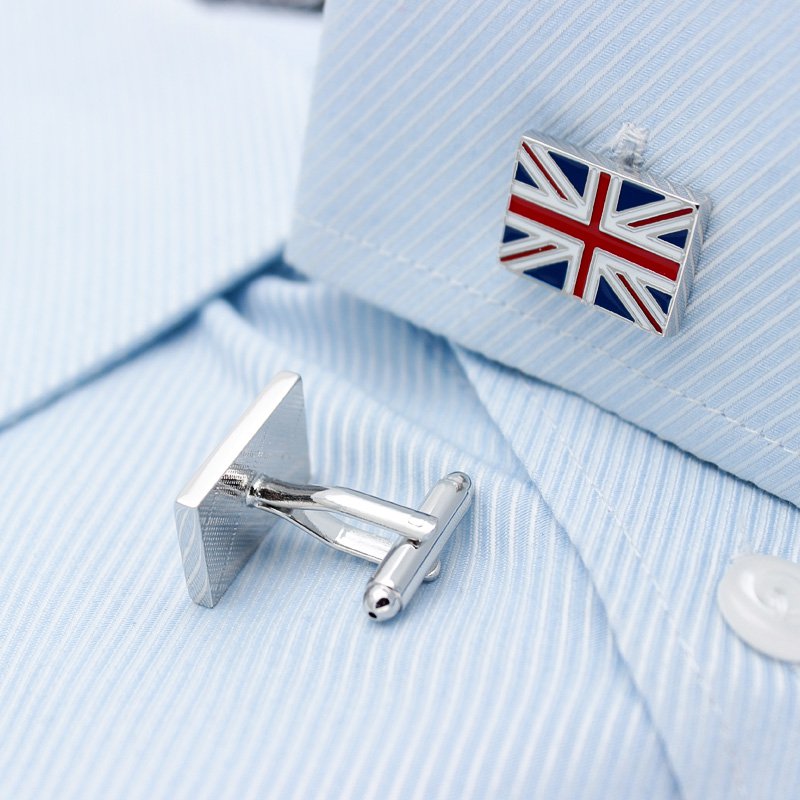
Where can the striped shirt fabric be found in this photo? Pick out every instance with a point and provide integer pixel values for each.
(571, 647)
(416, 120)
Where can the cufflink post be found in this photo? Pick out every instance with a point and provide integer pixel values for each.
(218, 531)
(409, 563)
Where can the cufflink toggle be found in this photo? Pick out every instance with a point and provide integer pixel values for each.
(263, 466)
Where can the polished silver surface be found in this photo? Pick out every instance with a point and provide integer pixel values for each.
(404, 568)
(263, 466)
(217, 531)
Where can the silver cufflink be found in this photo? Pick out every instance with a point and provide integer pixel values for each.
(609, 235)
(263, 466)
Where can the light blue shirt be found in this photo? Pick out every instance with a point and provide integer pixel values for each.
(410, 151)
(572, 646)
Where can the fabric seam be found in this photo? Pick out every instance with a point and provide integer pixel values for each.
(689, 654)
(642, 695)
(429, 270)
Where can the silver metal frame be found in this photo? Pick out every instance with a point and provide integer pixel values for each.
(219, 523)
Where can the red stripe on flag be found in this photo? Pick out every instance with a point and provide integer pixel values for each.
(593, 237)
(533, 252)
(544, 171)
(645, 310)
(681, 212)
(591, 230)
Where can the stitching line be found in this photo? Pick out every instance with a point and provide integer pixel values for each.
(629, 144)
(428, 270)
(691, 659)
(464, 360)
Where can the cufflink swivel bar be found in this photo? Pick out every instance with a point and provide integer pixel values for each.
(218, 532)
(404, 564)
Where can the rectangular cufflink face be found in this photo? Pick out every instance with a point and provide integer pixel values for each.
(623, 242)
(217, 531)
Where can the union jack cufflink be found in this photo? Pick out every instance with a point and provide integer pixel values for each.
(616, 239)
(259, 474)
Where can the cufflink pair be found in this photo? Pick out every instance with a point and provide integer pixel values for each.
(263, 466)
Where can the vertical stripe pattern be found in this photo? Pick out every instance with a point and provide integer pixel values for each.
(148, 156)
(657, 530)
(502, 679)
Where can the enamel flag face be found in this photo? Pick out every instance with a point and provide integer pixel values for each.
(609, 237)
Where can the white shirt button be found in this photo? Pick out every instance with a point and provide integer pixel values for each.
(759, 597)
